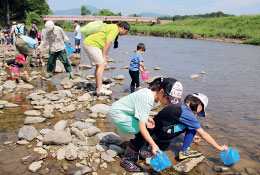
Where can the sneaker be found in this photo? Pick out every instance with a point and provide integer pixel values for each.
(47, 75)
(72, 76)
(104, 91)
(189, 153)
(106, 86)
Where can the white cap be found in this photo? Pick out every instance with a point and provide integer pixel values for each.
(204, 99)
(49, 25)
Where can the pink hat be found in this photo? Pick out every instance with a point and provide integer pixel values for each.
(21, 58)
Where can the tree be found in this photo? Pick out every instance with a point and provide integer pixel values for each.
(18, 9)
(33, 18)
(85, 11)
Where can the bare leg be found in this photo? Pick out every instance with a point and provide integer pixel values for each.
(99, 72)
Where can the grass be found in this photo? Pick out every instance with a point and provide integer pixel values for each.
(246, 28)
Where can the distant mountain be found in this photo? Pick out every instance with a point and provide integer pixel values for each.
(76, 11)
(151, 14)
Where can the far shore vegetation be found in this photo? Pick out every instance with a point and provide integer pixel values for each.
(214, 26)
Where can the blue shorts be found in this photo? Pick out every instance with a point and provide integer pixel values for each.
(77, 42)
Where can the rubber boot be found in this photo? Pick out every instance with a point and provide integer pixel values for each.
(129, 159)
(145, 151)
(78, 50)
(132, 88)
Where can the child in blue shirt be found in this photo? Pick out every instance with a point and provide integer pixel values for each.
(135, 65)
(174, 120)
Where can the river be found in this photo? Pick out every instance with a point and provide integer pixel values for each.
(231, 82)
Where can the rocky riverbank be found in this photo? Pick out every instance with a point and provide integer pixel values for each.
(65, 130)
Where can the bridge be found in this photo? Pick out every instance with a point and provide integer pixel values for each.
(98, 18)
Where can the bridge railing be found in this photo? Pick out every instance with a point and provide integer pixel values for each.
(97, 18)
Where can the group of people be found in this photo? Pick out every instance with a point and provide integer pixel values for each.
(131, 113)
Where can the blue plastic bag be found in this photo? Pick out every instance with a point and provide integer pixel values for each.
(230, 156)
(160, 162)
(69, 49)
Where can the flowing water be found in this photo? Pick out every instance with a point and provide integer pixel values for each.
(231, 83)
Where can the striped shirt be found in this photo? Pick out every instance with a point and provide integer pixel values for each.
(129, 110)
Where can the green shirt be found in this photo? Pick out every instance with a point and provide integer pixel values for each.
(109, 32)
(129, 110)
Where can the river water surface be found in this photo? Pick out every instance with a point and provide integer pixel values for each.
(231, 83)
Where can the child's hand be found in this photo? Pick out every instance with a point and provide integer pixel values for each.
(155, 148)
(196, 139)
(223, 148)
(150, 123)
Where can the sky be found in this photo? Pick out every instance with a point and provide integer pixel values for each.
(168, 7)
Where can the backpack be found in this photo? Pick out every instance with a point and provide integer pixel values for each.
(92, 27)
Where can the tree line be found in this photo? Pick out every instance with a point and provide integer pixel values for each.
(29, 10)
(207, 15)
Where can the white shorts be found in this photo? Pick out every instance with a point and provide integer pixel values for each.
(94, 54)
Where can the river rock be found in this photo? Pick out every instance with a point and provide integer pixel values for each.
(3, 102)
(11, 105)
(60, 125)
(109, 138)
(101, 148)
(81, 125)
(44, 131)
(61, 154)
(34, 96)
(194, 76)
(124, 67)
(84, 97)
(9, 84)
(22, 142)
(26, 86)
(35, 166)
(28, 159)
(65, 81)
(116, 148)
(78, 133)
(69, 108)
(100, 108)
(187, 165)
(157, 68)
(59, 66)
(112, 153)
(32, 120)
(91, 131)
(119, 77)
(32, 113)
(71, 152)
(85, 66)
(107, 157)
(57, 137)
(65, 93)
(27, 133)
(221, 168)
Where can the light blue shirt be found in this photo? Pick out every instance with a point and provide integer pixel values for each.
(77, 32)
(31, 42)
(19, 29)
(135, 62)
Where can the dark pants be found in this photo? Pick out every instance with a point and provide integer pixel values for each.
(135, 80)
(62, 55)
